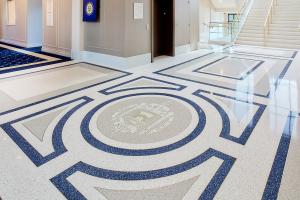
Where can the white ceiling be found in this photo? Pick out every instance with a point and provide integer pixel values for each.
(230, 5)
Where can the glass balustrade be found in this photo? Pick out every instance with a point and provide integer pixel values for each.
(227, 32)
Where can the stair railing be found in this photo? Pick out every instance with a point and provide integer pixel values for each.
(269, 19)
(227, 32)
(220, 32)
(242, 17)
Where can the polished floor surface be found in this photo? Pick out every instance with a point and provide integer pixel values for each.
(204, 125)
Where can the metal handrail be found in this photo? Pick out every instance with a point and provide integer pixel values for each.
(244, 12)
(234, 27)
(269, 18)
(223, 28)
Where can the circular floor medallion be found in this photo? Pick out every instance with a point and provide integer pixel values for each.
(144, 118)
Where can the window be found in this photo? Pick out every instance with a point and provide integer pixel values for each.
(49, 14)
(232, 17)
(11, 12)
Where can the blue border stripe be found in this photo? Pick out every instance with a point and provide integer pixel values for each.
(88, 136)
(57, 142)
(70, 192)
(295, 54)
(281, 76)
(256, 54)
(106, 91)
(37, 50)
(277, 83)
(73, 91)
(273, 184)
(244, 75)
(32, 65)
(226, 126)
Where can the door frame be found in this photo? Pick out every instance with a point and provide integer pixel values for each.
(152, 29)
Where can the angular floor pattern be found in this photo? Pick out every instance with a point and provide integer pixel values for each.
(14, 58)
(205, 125)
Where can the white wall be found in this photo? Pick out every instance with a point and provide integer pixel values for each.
(204, 9)
(228, 5)
(35, 23)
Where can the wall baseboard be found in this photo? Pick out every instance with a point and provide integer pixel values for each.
(182, 49)
(114, 61)
(30, 45)
(56, 51)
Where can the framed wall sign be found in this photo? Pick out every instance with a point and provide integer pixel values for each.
(138, 10)
(90, 10)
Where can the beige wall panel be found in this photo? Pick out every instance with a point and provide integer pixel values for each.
(17, 33)
(65, 24)
(182, 21)
(107, 35)
(195, 24)
(138, 33)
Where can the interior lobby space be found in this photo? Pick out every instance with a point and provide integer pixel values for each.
(149, 99)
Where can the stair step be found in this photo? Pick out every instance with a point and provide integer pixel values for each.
(253, 43)
(284, 31)
(253, 35)
(284, 41)
(252, 31)
(249, 38)
(290, 26)
(287, 15)
(284, 37)
(282, 45)
(289, 12)
(285, 23)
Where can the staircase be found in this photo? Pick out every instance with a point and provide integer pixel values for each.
(284, 29)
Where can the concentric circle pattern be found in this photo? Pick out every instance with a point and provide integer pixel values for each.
(142, 119)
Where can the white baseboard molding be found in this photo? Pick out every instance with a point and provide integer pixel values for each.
(29, 45)
(182, 49)
(56, 51)
(114, 61)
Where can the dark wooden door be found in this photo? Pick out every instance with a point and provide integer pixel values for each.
(163, 28)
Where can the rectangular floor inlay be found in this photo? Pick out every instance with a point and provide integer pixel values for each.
(231, 67)
(26, 87)
(259, 79)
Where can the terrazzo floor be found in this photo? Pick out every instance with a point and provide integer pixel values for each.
(204, 125)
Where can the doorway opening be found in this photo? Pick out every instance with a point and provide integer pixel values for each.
(163, 39)
(35, 23)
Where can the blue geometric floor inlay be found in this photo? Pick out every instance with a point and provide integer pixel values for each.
(246, 82)
(14, 58)
(9, 58)
(83, 131)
